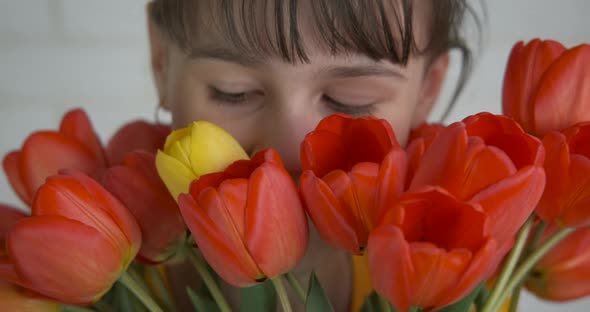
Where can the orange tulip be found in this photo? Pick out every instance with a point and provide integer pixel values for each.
(567, 195)
(430, 251)
(13, 298)
(247, 221)
(44, 153)
(75, 146)
(564, 272)
(137, 135)
(354, 170)
(75, 245)
(546, 87)
(137, 184)
(486, 160)
(9, 216)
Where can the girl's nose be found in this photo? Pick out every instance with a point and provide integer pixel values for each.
(284, 128)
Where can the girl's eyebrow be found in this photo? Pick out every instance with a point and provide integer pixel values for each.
(360, 71)
(249, 60)
(225, 54)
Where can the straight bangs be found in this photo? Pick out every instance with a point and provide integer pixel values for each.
(379, 29)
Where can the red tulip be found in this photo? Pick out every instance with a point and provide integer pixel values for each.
(486, 160)
(136, 136)
(75, 245)
(14, 299)
(354, 170)
(137, 184)
(247, 221)
(44, 153)
(567, 196)
(546, 87)
(431, 251)
(563, 273)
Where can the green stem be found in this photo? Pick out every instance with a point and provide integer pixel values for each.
(138, 278)
(508, 266)
(524, 269)
(139, 292)
(296, 286)
(515, 298)
(161, 288)
(282, 293)
(383, 304)
(538, 232)
(201, 267)
(102, 306)
(71, 308)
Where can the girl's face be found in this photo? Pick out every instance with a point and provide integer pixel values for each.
(268, 102)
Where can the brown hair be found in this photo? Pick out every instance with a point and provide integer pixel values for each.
(343, 26)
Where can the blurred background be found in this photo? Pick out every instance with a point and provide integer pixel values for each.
(60, 54)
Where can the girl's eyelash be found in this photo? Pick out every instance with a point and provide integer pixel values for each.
(227, 97)
(352, 110)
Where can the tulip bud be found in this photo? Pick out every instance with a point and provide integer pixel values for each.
(193, 151)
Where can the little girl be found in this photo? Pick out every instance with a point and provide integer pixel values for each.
(268, 71)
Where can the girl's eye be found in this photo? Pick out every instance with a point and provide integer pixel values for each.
(229, 97)
(349, 109)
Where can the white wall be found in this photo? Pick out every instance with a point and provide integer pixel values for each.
(58, 54)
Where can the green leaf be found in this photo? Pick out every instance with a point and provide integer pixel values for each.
(260, 297)
(201, 302)
(464, 304)
(316, 300)
(373, 303)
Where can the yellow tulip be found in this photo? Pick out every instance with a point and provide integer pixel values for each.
(191, 152)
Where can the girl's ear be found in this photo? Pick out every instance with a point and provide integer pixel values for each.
(159, 47)
(432, 83)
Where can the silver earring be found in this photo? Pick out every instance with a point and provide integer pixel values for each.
(157, 115)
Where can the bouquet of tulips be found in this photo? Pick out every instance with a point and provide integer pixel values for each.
(461, 219)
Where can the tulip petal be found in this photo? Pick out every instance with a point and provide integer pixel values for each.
(577, 205)
(44, 248)
(336, 224)
(7, 270)
(136, 136)
(138, 186)
(442, 163)
(391, 184)
(556, 166)
(364, 179)
(275, 220)
(76, 124)
(435, 272)
(563, 93)
(15, 299)
(177, 176)
(9, 216)
(78, 197)
(226, 214)
(212, 148)
(46, 153)
(323, 152)
(219, 252)
(488, 166)
(509, 202)
(525, 68)
(226, 207)
(11, 168)
(481, 266)
(505, 134)
(451, 224)
(390, 265)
